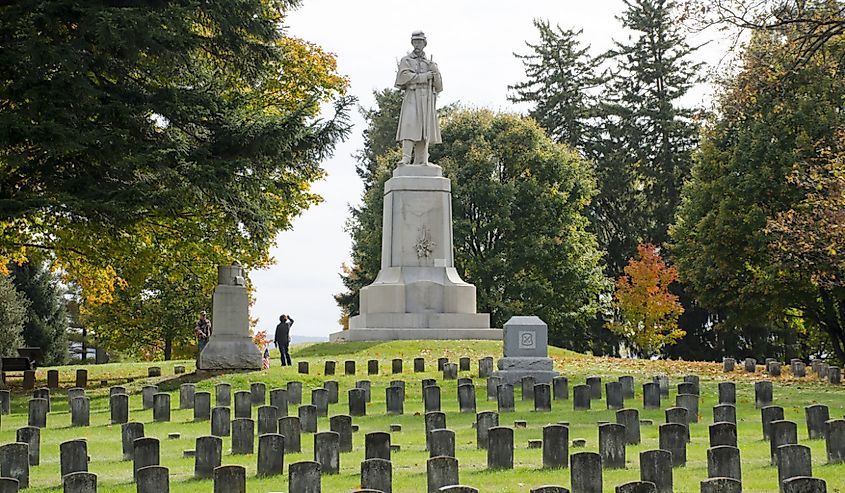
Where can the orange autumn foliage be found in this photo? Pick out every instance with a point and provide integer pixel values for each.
(646, 312)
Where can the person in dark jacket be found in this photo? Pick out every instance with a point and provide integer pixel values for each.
(282, 338)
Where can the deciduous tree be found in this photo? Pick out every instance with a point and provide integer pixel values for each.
(125, 125)
(775, 119)
(520, 233)
(646, 311)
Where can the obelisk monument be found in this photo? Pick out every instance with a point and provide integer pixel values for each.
(418, 293)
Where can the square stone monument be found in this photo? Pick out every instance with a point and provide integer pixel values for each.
(230, 346)
(526, 352)
(418, 293)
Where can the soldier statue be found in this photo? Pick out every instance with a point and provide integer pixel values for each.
(420, 79)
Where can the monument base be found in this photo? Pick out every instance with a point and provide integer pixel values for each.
(230, 352)
(420, 321)
(411, 326)
(512, 369)
(405, 334)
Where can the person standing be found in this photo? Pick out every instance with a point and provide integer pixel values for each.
(203, 331)
(282, 338)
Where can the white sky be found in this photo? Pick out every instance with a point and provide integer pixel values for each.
(473, 44)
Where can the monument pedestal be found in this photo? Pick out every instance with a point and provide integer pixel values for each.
(418, 293)
(526, 351)
(230, 346)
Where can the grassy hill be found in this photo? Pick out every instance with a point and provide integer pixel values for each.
(115, 475)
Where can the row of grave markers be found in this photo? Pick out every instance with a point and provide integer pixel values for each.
(822, 370)
(502, 436)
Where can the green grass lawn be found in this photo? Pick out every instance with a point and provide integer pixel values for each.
(115, 475)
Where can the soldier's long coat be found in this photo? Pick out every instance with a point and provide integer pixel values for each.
(418, 117)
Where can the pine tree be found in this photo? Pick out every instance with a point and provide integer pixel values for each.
(46, 320)
(12, 317)
(651, 135)
(560, 74)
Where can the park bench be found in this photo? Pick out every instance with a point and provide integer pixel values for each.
(28, 358)
(16, 364)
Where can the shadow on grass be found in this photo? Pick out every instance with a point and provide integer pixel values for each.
(334, 348)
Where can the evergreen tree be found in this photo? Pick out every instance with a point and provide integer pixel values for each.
(647, 156)
(13, 306)
(46, 315)
(560, 74)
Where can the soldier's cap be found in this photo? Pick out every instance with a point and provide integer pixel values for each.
(418, 35)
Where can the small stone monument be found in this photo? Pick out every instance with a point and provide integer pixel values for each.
(526, 351)
(230, 346)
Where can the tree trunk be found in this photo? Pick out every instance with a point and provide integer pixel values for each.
(833, 321)
(168, 348)
(84, 345)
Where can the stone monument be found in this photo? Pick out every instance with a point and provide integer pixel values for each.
(526, 351)
(418, 293)
(230, 346)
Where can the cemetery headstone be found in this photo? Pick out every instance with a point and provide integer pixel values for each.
(145, 453)
(342, 424)
(31, 436)
(656, 467)
(441, 471)
(612, 445)
(500, 448)
(290, 428)
(377, 445)
(202, 406)
(585, 472)
(304, 477)
(377, 474)
(208, 456)
(223, 395)
(229, 479)
(505, 399)
(221, 418)
(327, 451)
(724, 462)
(243, 436)
(153, 479)
(555, 446)
(129, 432)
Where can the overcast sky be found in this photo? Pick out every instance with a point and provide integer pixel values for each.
(473, 44)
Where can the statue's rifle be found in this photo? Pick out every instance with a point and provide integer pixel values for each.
(433, 95)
